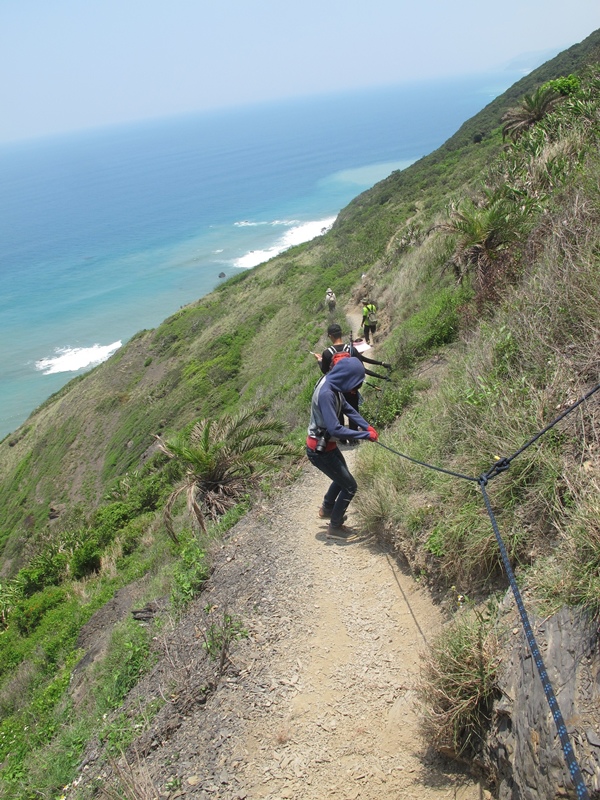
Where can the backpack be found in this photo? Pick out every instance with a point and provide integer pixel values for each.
(371, 314)
(336, 355)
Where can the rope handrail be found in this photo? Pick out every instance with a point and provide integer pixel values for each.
(499, 466)
(425, 464)
(567, 747)
(505, 462)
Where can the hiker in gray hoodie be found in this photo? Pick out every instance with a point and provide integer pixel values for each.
(325, 429)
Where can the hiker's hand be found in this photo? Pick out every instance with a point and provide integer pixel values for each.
(373, 435)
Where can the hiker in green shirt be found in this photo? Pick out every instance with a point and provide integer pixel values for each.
(369, 320)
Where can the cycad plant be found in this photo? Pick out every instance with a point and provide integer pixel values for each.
(479, 230)
(532, 109)
(483, 229)
(222, 459)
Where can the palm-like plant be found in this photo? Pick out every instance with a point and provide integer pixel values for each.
(479, 231)
(222, 460)
(532, 108)
(483, 229)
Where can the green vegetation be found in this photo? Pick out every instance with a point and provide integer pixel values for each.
(222, 461)
(484, 257)
(532, 108)
(458, 683)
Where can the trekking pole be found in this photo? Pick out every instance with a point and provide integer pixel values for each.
(380, 396)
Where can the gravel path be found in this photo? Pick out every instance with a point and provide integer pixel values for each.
(318, 701)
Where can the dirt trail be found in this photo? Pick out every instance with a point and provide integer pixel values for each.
(319, 700)
(349, 729)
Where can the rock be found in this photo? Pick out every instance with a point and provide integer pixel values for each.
(523, 750)
(592, 737)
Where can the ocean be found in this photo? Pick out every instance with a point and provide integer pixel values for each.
(108, 232)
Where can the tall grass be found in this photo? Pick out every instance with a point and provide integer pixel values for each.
(458, 684)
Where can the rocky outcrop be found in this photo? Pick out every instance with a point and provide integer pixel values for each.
(523, 750)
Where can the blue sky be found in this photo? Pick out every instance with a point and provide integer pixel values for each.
(67, 65)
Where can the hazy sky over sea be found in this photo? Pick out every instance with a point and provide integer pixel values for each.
(67, 65)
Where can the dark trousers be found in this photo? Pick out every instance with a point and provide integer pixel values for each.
(343, 487)
(352, 398)
(369, 331)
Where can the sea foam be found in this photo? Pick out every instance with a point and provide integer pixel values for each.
(298, 233)
(72, 359)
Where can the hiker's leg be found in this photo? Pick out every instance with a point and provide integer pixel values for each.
(343, 486)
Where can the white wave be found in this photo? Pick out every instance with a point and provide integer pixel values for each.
(298, 234)
(246, 223)
(72, 359)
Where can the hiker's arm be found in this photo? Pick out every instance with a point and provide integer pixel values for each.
(372, 361)
(376, 375)
(325, 362)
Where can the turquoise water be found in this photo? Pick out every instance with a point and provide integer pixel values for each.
(108, 232)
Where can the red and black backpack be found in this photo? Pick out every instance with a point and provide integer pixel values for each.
(336, 355)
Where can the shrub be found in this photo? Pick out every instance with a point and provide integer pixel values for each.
(86, 559)
(110, 519)
(458, 683)
(28, 614)
(388, 402)
(46, 569)
(190, 573)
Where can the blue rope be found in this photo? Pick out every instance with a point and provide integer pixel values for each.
(567, 747)
(429, 466)
(501, 466)
(504, 463)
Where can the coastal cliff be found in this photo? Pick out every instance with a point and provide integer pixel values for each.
(483, 259)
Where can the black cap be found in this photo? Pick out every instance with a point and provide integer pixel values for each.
(334, 330)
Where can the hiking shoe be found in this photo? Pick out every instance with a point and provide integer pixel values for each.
(325, 513)
(341, 534)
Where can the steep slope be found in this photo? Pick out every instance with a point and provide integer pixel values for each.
(502, 290)
(319, 698)
(250, 338)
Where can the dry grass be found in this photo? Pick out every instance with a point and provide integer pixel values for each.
(458, 684)
(129, 781)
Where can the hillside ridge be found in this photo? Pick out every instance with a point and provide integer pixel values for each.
(483, 261)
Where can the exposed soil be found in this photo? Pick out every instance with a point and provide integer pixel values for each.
(319, 699)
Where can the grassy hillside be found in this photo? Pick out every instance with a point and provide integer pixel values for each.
(484, 254)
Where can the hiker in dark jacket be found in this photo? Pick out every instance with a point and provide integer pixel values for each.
(334, 332)
(338, 350)
(325, 429)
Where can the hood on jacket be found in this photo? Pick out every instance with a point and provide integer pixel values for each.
(347, 374)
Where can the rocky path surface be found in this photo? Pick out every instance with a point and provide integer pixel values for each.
(318, 700)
